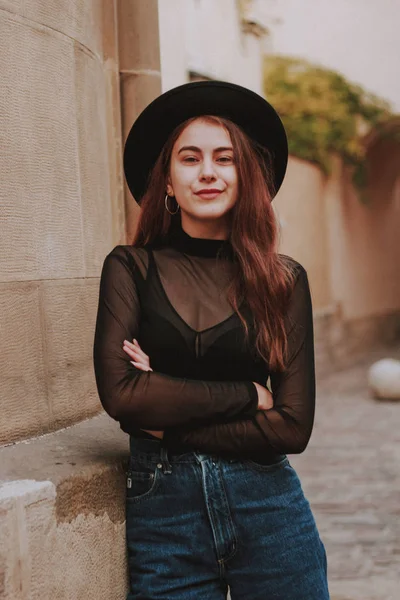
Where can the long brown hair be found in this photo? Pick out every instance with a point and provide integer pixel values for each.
(263, 278)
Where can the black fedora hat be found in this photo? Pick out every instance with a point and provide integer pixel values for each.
(156, 122)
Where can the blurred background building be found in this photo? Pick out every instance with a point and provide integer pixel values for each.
(74, 77)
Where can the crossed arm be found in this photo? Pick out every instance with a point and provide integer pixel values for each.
(184, 408)
(286, 427)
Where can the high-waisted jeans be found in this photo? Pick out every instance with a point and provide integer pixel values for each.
(197, 523)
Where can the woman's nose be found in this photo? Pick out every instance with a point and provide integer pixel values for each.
(207, 171)
(207, 177)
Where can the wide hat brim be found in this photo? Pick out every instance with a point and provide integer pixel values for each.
(156, 122)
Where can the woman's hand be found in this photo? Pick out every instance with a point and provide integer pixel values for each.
(141, 361)
(265, 398)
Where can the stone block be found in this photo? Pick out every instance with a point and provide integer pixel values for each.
(23, 386)
(80, 21)
(27, 524)
(46, 375)
(92, 142)
(64, 537)
(139, 44)
(57, 216)
(41, 215)
(137, 91)
(68, 311)
(113, 120)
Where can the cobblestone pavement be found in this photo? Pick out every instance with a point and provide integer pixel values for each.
(350, 473)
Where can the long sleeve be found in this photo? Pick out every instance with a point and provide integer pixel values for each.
(285, 428)
(151, 399)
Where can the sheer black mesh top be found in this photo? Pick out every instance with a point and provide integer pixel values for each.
(172, 299)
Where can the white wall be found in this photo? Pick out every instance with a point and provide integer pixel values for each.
(205, 36)
(359, 38)
(172, 31)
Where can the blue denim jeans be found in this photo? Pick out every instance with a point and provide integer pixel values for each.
(197, 523)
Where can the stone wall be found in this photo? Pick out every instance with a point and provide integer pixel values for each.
(63, 121)
(57, 215)
(62, 515)
(350, 250)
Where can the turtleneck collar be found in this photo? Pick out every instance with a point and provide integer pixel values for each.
(182, 241)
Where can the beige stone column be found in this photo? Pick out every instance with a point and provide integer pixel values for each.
(113, 118)
(140, 74)
(55, 212)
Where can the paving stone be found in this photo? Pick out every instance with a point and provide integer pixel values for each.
(350, 473)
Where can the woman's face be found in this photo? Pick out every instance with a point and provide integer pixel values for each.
(202, 159)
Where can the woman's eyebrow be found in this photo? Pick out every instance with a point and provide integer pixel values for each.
(196, 149)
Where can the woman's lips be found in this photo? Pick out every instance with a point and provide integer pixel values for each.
(208, 195)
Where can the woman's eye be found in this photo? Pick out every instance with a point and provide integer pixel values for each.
(192, 159)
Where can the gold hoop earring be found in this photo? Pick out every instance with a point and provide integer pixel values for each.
(166, 205)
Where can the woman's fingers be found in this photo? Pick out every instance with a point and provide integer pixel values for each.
(130, 352)
(141, 361)
(141, 366)
(136, 347)
(134, 353)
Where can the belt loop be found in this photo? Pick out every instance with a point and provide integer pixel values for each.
(165, 462)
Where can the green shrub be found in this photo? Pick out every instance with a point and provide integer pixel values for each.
(324, 113)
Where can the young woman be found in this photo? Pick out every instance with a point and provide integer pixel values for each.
(193, 319)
